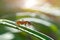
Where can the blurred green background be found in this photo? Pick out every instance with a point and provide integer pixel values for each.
(15, 13)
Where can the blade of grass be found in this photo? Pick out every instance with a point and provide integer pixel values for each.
(32, 32)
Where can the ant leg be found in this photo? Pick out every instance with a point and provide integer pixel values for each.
(29, 23)
(25, 24)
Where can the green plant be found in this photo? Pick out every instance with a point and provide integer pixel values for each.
(27, 30)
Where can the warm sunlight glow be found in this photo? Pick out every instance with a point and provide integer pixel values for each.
(30, 3)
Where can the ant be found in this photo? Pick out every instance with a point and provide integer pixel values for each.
(23, 22)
